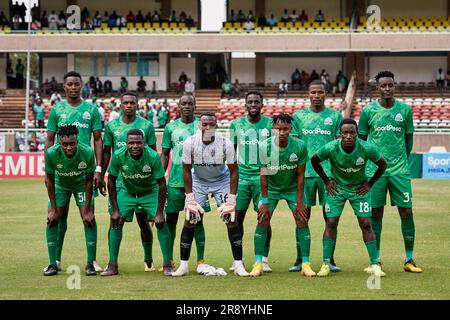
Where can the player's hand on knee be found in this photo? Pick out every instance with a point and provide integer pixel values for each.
(192, 209)
(115, 219)
(159, 221)
(301, 211)
(88, 217)
(331, 187)
(263, 214)
(52, 217)
(363, 189)
(102, 187)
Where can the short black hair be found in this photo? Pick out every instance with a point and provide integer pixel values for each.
(257, 93)
(187, 94)
(208, 114)
(316, 83)
(384, 74)
(129, 93)
(282, 118)
(66, 131)
(135, 132)
(349, 121)
(72, 74)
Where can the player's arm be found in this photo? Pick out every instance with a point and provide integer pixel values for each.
(191, 207)
(115, 217)
(87, 212)
(98, 149)
(106, 158)
(165, 154)
(162, 196)
(166, 146)
(300, 208)
(52, 127)
(330, 184)
(409, 137)
(409, 130)
(363, 125)
(234, 177)
(52, 211)
(187, 177)
(365, 187)
(263, 206)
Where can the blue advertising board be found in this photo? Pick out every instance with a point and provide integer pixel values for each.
(436, 166)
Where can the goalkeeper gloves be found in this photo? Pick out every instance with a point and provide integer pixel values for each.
(192, 209)
(227, 211)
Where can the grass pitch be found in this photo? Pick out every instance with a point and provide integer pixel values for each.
(23, 254)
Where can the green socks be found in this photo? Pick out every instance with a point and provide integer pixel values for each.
(90, 235)
(115, 237)
(260, 240)
(377, 226)
(52, 236)
(372, 250)
(199, 236)
(173, 231)
(266, 250)
(62, 228)
(328, 245)
(297, 243)
(148, 252)
(164, 242)
(304, 237)
(408, 231)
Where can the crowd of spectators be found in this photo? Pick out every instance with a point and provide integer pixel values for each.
(249, 20)
(58, 21)
(301, 80)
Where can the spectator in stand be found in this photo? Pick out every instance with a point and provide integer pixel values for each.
(86, 91)
(140, 17)
(141, 85)
(227, 87)
(367, 92)
(108, 86)
(36, 25)
(161, 116)
(97, 20)
(320, 17)
(121, 21)
(314, 76)
(22, 11)
(93, 85)
(112, 21)
(11, 81)
(303, 17)
(285, 16)
(233, 17)
(105, 17)
(248, 25)
(34, 143)
(113, 104)
(20, 70)
(173, 16)
(305, 79)
(61, 20)
(34, 12)
(262, 21)
(151, 114)
(53, 21)
(189, 87)
(241, 16)
(39, 111)
(55, 98)
(3, 19)
(182, 79)
(131, 18)
(85, 14)
(148, 17)
(440, 78)
(183, 16)
(447, 78)
(101, 110)
(113, 115)
(251, 16)
(337, 88)
(156, 17)
(296, 78)
(123, 85)
(154, 91)
(237, 88)
(282, 89)
(99, 85)
(53, 85)
(272, 20)
(294, 16)
(325, 78)
(44, 20)
(190, 22)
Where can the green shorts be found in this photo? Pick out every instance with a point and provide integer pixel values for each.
(399, 188)
(62, 196)
(247, 193)
(314, 186)
(289, 196)
(360, 204)
(129, 203)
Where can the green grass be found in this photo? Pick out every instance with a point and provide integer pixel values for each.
(23, 254)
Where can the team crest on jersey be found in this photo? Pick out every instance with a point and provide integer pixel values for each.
(63, 116)
(398, 117)
(82, 165)
(124, 167)
(293, 157)
(86, 116)
(328, 121)
(360, 161)
(146, 169)
(264, 132)
(117, 133)
(59, 166)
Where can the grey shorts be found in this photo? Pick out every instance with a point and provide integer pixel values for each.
(219, 190)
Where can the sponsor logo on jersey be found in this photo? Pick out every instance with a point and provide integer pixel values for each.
(137, 176)
(59, 166)
(282, 167)
(146, 169)
(265, 132)
(250, 142)
(328, 122)
(360, 161)
(293, 157)
(69, 174)
(117, 133)
(398, 117)
(82, 165)
(121, 143)
(86, 116)
(124, 167)
(63, 116)
(76, 124)
(350, 170)
(179, 143)
(316, 131)
(389, 127)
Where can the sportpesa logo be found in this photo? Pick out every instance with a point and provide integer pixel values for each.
(178, 143)
(349, 170)
(76, 124)
(121, 143)
(282, 167)
(388, 128)
(316, 131)
(137, 176)
(250, 142)
(69, 174)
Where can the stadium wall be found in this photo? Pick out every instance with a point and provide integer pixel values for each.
(54, 67)
(244, 70)
(408, 8)
(190, 7)
(425, 68)
(178, 64)
(4, 6)
(244, 5)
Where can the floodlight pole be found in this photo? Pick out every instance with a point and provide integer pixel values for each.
(27, 79)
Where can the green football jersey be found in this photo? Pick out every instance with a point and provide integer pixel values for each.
(281, 164)
(85, 117)
(386, 129)
(247, 136)
(116, 132)
(175, 133)
(316, 129)
(70, 173)
(348, 169)
(138, 176)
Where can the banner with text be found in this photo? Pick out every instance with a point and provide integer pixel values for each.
(436, 166)
(22, 165)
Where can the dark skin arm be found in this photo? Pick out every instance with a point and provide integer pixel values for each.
(98, 150)
(409, 143)
(187, 177)
(300, 209)
(263, 214)
(50, 141)
(329, 183)
(86, 211)
(153, 146)
(234, 177)
(165, 154)
(162, 195)
(106, 158)
(52, 211)
(365, 187)
(115, 217)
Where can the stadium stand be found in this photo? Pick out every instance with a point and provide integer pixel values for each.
(407, 24)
